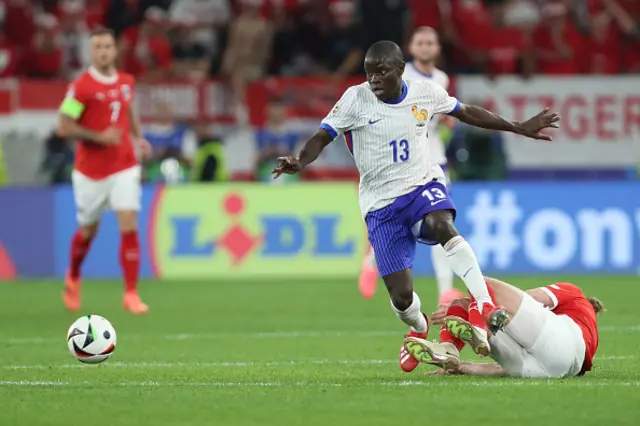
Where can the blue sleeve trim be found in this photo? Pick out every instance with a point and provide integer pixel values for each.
(455, 108)
(332, 132)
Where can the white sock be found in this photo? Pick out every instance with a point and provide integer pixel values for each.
(413, 316)
(371, 259)
(442, 269)
(465, 265)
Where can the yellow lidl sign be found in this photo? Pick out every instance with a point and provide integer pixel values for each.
(244, 230)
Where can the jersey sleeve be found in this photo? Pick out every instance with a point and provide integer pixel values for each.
(74, 102)
(444, 103)
(343, 116)
(561, 293)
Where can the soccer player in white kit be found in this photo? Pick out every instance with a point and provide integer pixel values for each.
(424, 47)
(402, 194)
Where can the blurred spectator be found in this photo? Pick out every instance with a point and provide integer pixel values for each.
(123, 14)
(209, 163)
(8, 59)
(19, 21)
(428, 13)
(58, 159)
(249, 48)
(524, 14)
(508, 47)
(146, 50)
(191, 59)
(477, 154)
(559, 45)
(385, 20)
(604, 53)
(469, 21)
(170, 139)
(345, 45)
(43, 57)
(208, 16)
(275, 139)
(74, 34)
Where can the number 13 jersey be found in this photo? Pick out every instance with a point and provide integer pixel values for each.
(388, 140)
(97, 102)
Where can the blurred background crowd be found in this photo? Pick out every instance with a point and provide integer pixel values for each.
(242, 42)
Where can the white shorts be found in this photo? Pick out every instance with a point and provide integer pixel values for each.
(120, 191)
(539, 343)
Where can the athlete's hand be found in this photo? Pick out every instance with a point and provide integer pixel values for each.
(145, 147)
(110, 136)
(437, 318)
(544, 120)
(288, 165)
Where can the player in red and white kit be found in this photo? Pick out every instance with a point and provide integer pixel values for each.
(553, 333)
(97, 112)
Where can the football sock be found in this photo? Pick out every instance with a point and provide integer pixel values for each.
(130, 260)
(79, 248)
(445, 335)
(371, 258)
(413, 316)
(475, 315)
(465, 265)
(442, 269)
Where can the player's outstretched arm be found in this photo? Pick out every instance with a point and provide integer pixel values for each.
(481, 369)
(309, 153)
(531, 128)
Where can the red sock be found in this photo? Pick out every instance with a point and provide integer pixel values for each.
(445, 336)
(79, 248)
(130, 260)
(475, 317)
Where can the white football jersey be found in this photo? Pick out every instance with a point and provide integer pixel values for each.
(435, 141)
(388, 141)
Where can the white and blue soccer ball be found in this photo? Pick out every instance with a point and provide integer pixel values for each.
(91, 339)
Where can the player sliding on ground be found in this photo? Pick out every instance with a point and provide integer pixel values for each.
(97, 112)
(424, 48)
(402, 194)
(553, 333)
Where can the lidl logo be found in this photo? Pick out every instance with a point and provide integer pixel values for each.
(258, 230)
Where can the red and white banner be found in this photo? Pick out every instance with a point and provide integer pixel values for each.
(600, 118)
(210, 100)
(600, 125)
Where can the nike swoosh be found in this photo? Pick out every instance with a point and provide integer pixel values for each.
(433, 203)
(374, 121)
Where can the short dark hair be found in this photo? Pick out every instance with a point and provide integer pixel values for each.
(103, 31)
(385, 49)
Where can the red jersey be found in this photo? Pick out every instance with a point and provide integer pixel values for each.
(570, 301)
(98, 103)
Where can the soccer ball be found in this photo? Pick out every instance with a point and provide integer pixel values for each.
(91, 339)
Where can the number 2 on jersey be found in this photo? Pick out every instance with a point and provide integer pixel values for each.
(115, 111)
(400, 150)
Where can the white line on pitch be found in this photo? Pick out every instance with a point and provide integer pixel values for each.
(431, 384)
(238, 364)
(268, 335)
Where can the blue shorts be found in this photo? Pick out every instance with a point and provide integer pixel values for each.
(395, 229)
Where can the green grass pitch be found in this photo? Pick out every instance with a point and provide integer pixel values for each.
(285, 353)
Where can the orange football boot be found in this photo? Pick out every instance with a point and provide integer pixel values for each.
(71, 292)
(132, 303)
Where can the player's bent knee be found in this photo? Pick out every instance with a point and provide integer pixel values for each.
(402, 301)
(400, 287)
(89, 231)
(462, 302)
(127, 220)
(439, 226)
